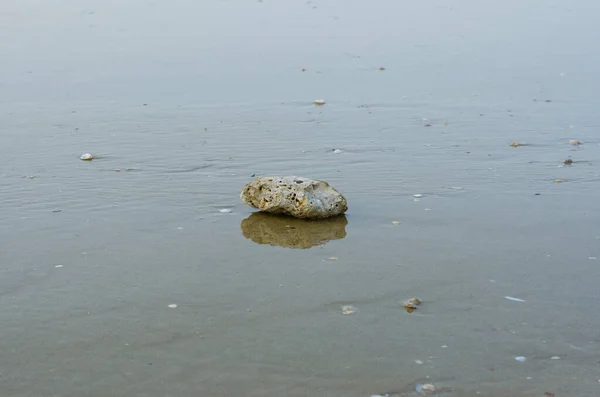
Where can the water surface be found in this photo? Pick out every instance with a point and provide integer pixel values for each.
(183, 102)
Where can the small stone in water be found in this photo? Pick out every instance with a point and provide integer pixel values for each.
(412, 304)
(337, 151)
(568, 162)
(520, 359)
(86, 157)
(428, 387)
(225, 211)
(514, 144)
(418, 362)
(574, 142)
(555, 358)
(319, 101)
(417, 195)
(349, 310)
(172, 306)
(396, 223)
(559, 180)
(332, 258)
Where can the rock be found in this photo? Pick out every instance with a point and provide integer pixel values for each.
(86, 157)
(295, 196)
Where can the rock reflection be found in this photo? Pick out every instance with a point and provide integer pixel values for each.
(288, 232)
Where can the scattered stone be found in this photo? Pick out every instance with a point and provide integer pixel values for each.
(56, 210)
(520, 359)
(382, 68)
(337, 151)
(30, 177)
(172, 306)
(412, 304)
(226, 211)
(555, 358)
(295, 196)
(86, 157)
(117, 170)
(574, 142)
(319, 102)
(424, 389)
(418, 362)
(396, 222)
(559, 180)
(417, 195)
(568, 162)
(333, 258)
(348, 310)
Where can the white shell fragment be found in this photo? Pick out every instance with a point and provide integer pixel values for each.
(510, 298)
(319, 101)
(226, 211)
(86, 157)
(348, 310)
(172, 306)
(520, 359)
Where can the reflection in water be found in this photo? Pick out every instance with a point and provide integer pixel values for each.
(285, 231)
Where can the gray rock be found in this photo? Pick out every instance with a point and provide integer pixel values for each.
(295, 196)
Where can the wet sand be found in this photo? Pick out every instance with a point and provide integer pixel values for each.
(188, 101)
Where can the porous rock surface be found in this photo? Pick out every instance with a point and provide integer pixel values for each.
(295, 196)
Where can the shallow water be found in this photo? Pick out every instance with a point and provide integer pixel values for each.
(189, 100)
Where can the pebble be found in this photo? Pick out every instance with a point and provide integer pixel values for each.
(337, 151)
(419, 362)
(225, 211)
(396, 222)
(86, 157)
(332, 258)
(348, 310)
(428, 387)
(520, 359)
(172, 306)
(555, 358)
(417, 195)
(319, 101)
(574, 142)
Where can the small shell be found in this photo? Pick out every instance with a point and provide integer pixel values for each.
(348, 310)
(320, 102)
(514, 144)
(428, 387)
(86, 157)
(574, 142)
(412, 304)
